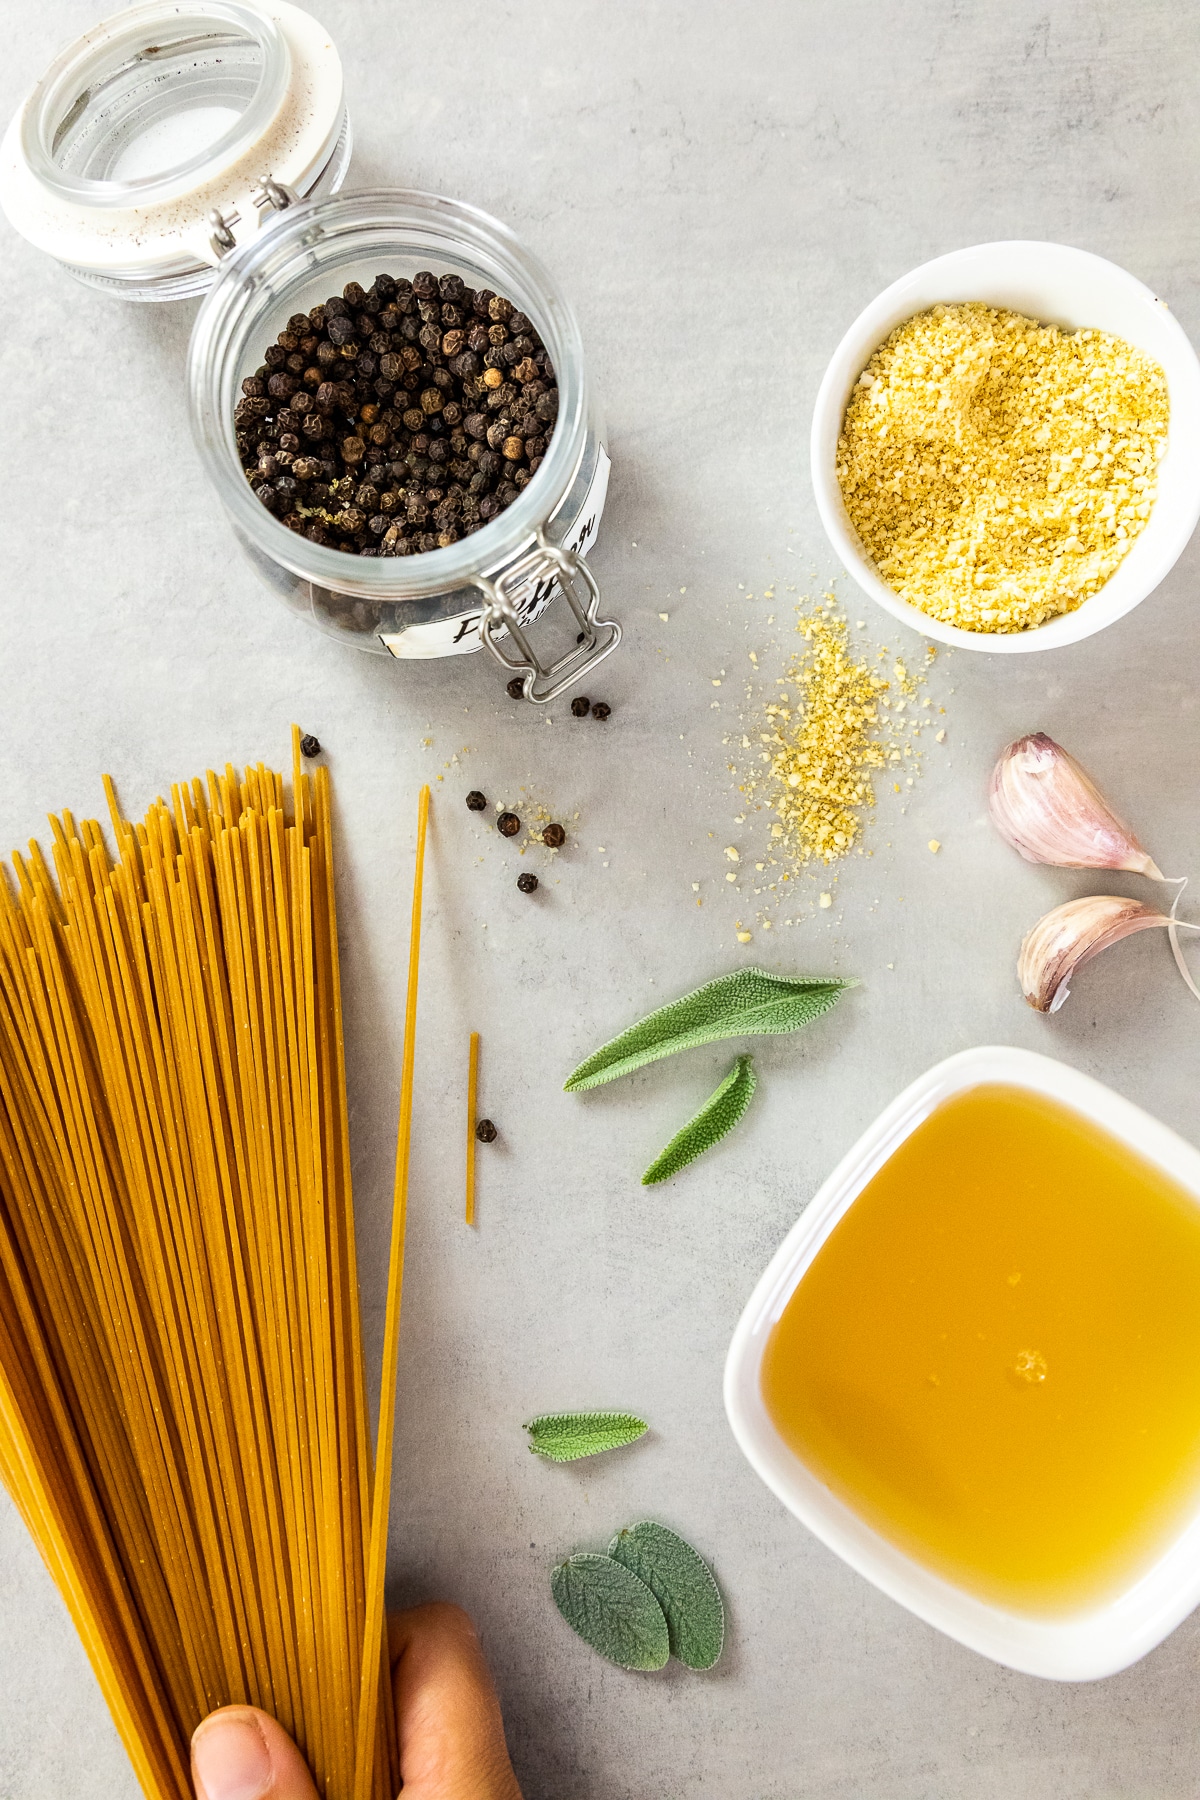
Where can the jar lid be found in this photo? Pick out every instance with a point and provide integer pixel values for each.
(151, 144)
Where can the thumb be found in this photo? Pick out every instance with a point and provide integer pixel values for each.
(240, 1753)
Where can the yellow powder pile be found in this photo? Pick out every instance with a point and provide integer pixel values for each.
(996, 469)
(838, 719)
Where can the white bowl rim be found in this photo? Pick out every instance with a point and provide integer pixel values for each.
(1166, 533)
(1083, 1646)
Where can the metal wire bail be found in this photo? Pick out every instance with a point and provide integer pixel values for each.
(502, 617)
(266, 193)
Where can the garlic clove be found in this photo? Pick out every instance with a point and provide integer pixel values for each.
(1050, 810)
(1065, 938)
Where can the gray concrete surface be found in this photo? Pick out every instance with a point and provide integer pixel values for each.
(720, 189)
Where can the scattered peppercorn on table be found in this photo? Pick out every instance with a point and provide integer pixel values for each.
(720, 191)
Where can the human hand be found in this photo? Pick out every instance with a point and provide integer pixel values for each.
(447, 1718)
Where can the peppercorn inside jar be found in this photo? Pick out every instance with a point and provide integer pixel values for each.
(467, 576)
(397, 419)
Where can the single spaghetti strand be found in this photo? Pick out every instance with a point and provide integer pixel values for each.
(472, 1091)
(373, 1640)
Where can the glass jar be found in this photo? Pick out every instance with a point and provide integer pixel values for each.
(486, 589)
(168, 134)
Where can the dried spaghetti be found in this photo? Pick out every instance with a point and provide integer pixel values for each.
(183, 1416)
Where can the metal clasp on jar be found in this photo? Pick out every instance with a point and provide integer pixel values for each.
(268, 192)
(505, 613)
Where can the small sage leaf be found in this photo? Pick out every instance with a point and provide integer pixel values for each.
(682, 1583)
(747, 1003)
(719, 1114)
(564, 1437)
(612, 1609)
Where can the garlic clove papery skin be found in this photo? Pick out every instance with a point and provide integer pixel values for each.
(1064, 939)
(1051, 811)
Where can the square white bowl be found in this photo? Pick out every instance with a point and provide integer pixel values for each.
(1061, 286)
(1097, 1640)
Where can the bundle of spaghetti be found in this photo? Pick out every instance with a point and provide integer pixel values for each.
(183, 1410)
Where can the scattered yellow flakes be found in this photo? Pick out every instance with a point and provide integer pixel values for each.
(744, 937)
(831, 720)
(821, 763)
(664, 617)
(939, 737)
(695, 887)
(733, 854)
(934, 845)
(997, 469)
(716, 683)
(731, 876)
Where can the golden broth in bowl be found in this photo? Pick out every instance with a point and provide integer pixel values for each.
(994, 1357)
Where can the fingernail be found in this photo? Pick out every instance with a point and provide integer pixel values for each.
(230, 1759)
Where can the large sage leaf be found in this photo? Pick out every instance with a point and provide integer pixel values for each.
(747, 1003)
(719, 1114)
(612, 1609)
(683, 1585)
(565, 1437)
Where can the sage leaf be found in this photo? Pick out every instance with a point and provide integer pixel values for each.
(719, 1114)
(683, 1585)
(747, 1003)
(612, 1609)
(564, 1437)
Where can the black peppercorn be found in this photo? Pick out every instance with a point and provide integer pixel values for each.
(516, 687)
(309, 745)
(554, 837)
(476, 801)
(527, 883)
(388, 378)
(486, 1132)
(581, 707)
(508, 824)
(601, 710)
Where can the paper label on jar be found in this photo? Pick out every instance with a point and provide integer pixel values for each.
(460, 635)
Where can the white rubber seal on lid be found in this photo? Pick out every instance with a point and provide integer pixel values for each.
(160, 118)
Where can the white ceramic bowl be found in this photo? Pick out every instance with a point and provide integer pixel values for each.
(1060, 286)
(1074, 1647)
